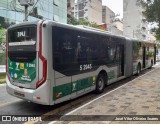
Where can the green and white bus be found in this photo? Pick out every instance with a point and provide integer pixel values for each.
(49, 62)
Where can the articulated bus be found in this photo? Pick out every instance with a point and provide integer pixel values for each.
(49, 62)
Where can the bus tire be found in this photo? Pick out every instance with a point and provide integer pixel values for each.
(138, 69)
(100, 83)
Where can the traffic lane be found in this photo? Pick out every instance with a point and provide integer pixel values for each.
(10, 105)
(15, 106)
(22, 108)
(5, 98)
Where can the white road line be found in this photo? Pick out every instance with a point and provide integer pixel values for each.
(105, 94)
(7, 103)
(1, 85)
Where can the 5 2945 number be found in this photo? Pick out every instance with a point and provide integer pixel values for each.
(85, 67)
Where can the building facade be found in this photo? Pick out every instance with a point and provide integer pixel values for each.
(118, 24)
(90, 10)
(13, 12)
(135, 25)
(107, 15)
(70, 7)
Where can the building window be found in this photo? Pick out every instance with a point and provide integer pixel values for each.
(81, 13)
(55, 2)
(80, 6)
(75, 7)
(55, 18)
(76, 14)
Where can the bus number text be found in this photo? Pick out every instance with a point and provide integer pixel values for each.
(85, 67)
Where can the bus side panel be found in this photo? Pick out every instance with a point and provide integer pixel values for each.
(128, 59)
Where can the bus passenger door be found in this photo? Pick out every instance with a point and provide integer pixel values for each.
(155, 53)
(120, 60)
(144, 57)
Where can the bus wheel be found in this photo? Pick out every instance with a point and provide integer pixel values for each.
(138, 69)
(100, 83)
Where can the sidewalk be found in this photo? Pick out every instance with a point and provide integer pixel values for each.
(138, 97)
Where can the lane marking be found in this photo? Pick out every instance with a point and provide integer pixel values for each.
(1, 105)
(2, 85)
(106, 94)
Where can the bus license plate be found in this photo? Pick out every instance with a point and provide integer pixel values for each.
(18, 93)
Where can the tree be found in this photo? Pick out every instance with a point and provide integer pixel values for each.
(73, 21)
(2, 36)
(3, 23)
(152, 14)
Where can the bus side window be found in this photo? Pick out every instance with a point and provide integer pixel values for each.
(77, 51)
(111, 53)
(67, 52)
(82, 50)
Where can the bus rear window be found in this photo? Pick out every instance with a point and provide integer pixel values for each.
(22, 34)
(22, 56)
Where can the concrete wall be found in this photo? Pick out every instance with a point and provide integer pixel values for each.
(107, 15)
(92, 10)
(95, 11)
(70, 7)
(118, 24)
(116, 31)
(134, 24)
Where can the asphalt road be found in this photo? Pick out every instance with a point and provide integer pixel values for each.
(5, 98)
(10, 105)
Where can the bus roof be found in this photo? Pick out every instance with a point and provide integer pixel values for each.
(22, 24)
(80, 27)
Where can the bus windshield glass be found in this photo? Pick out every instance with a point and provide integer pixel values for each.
(22, 36)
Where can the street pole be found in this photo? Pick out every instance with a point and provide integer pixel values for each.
(26, 13)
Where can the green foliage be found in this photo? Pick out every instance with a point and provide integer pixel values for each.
(2, 58)
(150, 54)
(93, 24)
(83, 22)
(2, 75)
(4, 23)
(2, 36)
(73, 21)
(2, 78)
(158, 33)
(152, 13)
(2, 81)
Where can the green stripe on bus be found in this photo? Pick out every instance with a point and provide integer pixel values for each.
(69, 88)
(111, 75)
(61, 91)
